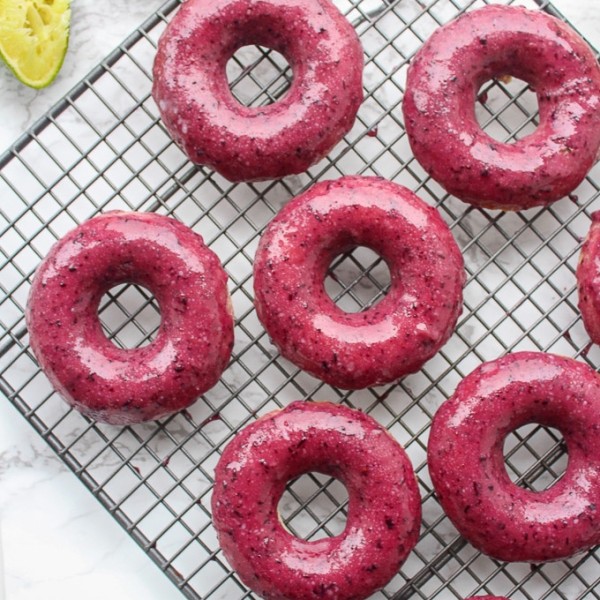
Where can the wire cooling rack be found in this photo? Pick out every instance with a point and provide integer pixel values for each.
(103, 147)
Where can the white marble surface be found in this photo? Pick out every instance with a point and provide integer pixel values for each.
(57, 541)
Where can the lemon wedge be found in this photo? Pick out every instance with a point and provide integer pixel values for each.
(34, 35)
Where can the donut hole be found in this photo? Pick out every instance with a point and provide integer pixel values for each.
(129, 315)
(258, 76)
(506, 109)
(313, 507)
(535, 457)
(357, 280)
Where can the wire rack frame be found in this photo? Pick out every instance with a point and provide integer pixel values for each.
(103, 147)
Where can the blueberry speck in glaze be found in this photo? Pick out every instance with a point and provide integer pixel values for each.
(286, 137)
(352, 565)
(466, 441)
(443, 81)
(192, 348)
(388, 340)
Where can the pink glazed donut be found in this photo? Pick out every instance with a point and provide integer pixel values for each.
(441, 89)
(286, 137)
(195, 338)
(394, 337)
(588, 280)
(384, 509)
(466, 459)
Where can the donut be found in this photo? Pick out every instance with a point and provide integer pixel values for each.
(384, 508)
(441, 89)
(588, 280)
(386, 341)
(195, 338)
(212, 128)
(466, 459)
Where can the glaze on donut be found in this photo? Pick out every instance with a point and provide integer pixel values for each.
(384, 510)
(286, 137)
(195, 338)
(466, 459)
(588, 280)
(394, 337)
(441, 89)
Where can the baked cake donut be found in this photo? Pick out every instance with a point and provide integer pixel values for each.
(394, 337)
(441, 90)
(384, 507)
(195, 338)
(242, 143)
(588, 280)
(466, 459)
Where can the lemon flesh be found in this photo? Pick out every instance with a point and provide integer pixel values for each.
(34, 35)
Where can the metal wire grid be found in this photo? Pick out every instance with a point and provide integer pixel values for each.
(103, 148)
